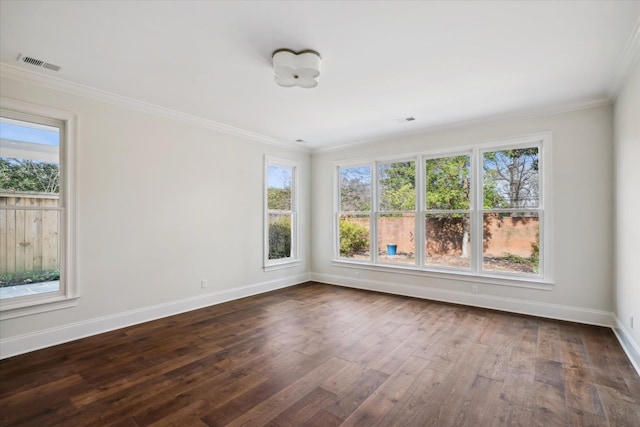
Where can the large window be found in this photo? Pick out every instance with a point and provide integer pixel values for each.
(281, 222)
(36, 188)
(475, 212)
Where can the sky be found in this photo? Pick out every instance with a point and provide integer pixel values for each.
(279, 177)
(30, 134)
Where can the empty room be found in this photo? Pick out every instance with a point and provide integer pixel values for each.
(319, 213)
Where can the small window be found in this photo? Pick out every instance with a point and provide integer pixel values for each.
(281, 230)
(36, 263)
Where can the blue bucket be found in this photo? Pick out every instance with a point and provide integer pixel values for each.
(391, 249)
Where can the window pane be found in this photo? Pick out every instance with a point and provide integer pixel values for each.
(355, 189)
(279, 188)
(448, 240)
(397, 186)
(511, 178)
(279, 235)
(354, 237)
(448, 181)
(511, 242)
(29, 252)
(30, 161)
(396, 238)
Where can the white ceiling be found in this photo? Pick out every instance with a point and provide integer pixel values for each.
(440, 62)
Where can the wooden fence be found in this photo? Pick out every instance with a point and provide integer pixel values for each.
(29, 238)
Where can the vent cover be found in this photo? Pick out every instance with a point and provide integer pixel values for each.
(38, 63)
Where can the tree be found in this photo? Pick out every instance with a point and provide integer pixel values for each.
(397, 186)
(279, 198)
(512, 176)
(23, 175)
(355, 189)
(448, 186)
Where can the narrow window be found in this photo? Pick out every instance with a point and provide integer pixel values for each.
(511, 210)
(448, 212)
(396, 216)
(281, 212)
(354, 217)
(36, 263)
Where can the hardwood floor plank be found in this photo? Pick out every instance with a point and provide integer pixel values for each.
(322, 355)
(549, 341)
(620, 408)
(269, 408)
(381, 401)
(300, 412)
(551, 409)
(582, 396)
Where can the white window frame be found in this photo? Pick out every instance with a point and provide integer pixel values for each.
(423, 211)
(542, 280)
(378, 212)
(338, 212)
(68, 293)
(294, 259)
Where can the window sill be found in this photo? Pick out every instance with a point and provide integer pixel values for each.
(17, 307)
(520, 282)
(280, 265)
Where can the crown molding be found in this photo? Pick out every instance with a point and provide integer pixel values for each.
(630, 57)
(515, 115)
(56, 83)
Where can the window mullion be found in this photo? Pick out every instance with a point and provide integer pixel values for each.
(477, 213)
(373, 217)
(420, 233)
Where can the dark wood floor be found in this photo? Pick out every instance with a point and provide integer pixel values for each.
(318, 355)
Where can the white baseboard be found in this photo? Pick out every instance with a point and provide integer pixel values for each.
(629, 346)
(49, 337)
(551, 311)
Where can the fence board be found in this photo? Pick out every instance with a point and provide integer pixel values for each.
(29, 238)
(3, 238)
(50, 239)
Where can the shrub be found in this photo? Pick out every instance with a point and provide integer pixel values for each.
(24, 278)
(280, 238)
(354, 238)
(535, 254)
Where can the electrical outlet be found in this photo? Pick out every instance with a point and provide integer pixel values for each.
(203, 284)
(474, 289)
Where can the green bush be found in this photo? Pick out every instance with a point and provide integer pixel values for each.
(280, 238)
(354, 238)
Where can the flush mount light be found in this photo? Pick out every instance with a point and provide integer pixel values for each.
(296, 68)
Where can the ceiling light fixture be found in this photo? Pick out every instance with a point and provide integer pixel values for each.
(296, 68)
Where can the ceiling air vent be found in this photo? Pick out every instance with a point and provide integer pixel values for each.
(38, 63)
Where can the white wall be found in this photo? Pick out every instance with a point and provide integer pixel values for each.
(583, 216)
(627, 242)
(162, 204)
